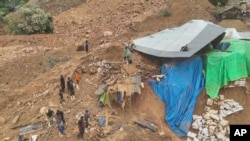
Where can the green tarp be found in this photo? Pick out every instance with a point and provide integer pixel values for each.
(230, 65)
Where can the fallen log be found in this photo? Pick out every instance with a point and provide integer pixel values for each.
(146, 124)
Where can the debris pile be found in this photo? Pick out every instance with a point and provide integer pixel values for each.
(211, 125)
(238, 83)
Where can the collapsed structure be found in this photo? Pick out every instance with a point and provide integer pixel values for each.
(201, 42)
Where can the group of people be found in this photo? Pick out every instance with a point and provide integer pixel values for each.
(70, 86)
(82, 123)
(59, 118)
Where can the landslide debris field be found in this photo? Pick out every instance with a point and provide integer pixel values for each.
(31, 65)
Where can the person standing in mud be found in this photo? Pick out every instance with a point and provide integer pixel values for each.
(62, 83)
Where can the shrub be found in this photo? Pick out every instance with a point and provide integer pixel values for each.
(165, 13)
(53, 61)
(30, 19)
(1, 17)
(219, 2)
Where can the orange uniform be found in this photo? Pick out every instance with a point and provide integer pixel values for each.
(77, 77)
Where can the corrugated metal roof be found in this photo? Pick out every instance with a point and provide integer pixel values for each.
(196, 34)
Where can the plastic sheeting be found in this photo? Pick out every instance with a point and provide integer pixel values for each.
(230, 65)
(179, 90)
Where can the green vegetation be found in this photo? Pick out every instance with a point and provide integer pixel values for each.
(219, 2)
(165, 13)
(30, 19)
(53, 61)
(7, 6)
(55, 7)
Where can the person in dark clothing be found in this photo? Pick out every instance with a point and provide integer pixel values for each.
(61, 115)
(71, 90)
(86, 118)
(20, 138)
(62, 83)
(86, 46)
(50, 115)
(60, 126)
(119, 97)
(61, 96)
(81, 127)
(68, 85)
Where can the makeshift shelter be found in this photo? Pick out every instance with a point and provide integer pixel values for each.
(130, 86)
(183, 41)
(179, 90)
(222, 67)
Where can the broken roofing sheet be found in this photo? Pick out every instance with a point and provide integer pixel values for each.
(195, 35)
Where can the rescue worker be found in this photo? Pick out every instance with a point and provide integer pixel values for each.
(81, 127)
(128, 55)
(77, 79)
(62, 83)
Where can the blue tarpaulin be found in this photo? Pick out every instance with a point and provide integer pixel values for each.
(179, 90)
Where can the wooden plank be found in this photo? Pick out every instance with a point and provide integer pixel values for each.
(146, 124)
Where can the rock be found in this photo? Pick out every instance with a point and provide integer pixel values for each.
(43, 110)
(209, 102)
(6, 139)
(34, 137)
(197, 124)
(204, 131)
(214, 112)
(211, 129)
(142, 85)
(191, 134)
(221, 97)
(224, 122)
(88, 31)
(220, 136)
(195, 139)
(161, 133)
(107, 33)
(207, 108)
(215, 117)
(206, 116)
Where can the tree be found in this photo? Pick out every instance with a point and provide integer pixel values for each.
(221, 2)
(30, 19)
